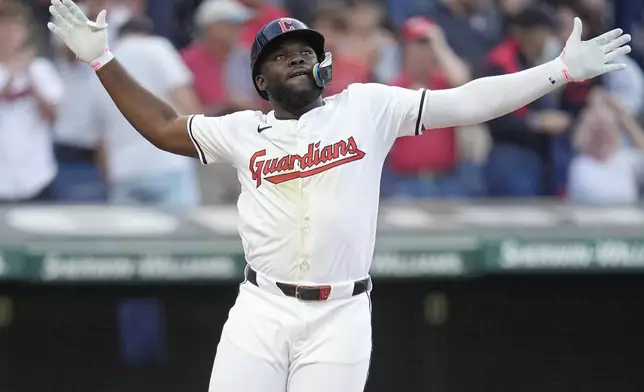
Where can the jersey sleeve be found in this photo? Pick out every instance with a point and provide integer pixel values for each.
(213, 137)
(397, 111)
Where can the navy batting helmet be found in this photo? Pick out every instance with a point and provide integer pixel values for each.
(282, 28)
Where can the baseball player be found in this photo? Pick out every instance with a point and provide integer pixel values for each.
(310, 173)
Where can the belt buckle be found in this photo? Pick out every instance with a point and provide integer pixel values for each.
(297, 292)
(298, 295)
(323, 290)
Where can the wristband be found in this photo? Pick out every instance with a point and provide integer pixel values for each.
(560, 72)
(101, 61)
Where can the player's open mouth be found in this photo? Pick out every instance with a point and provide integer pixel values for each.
(298, 74)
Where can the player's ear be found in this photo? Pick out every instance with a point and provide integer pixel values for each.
(260, 82)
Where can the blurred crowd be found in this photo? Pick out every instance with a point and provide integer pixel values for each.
(62, 140)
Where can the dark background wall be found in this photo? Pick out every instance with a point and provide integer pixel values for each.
(505, 333)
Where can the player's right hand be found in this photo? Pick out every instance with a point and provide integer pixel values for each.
(87, 39)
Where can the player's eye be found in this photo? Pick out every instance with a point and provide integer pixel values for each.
(308, 52)
(280, 57)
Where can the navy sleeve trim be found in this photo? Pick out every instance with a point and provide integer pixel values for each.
(419, 123)
(202, 156)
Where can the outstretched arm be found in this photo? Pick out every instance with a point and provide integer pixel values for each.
(487, 98)
(155, 120)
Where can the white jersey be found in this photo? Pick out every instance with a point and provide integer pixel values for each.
(310, 187)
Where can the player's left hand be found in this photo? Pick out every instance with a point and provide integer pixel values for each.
(588, 59)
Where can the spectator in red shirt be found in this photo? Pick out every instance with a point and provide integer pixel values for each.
(263, 11)
(330, 20)
(218, 61)
(426, 165)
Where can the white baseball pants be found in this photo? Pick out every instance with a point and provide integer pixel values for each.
(275, 343)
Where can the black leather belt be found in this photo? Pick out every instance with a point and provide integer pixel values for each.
(310, 293)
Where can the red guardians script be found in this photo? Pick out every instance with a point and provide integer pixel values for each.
(316, 160)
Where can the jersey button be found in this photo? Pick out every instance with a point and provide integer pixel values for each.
(305, 191)
(305, 266)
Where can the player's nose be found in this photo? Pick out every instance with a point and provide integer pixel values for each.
(296, 60)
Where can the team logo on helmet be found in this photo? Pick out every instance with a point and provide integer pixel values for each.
(286, 24)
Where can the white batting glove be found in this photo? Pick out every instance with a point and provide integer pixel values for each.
(587, 59)
(87, 39)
